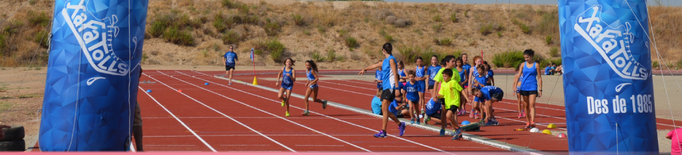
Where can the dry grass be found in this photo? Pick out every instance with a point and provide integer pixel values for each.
(354, 30)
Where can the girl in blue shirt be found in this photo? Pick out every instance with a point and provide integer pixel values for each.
(288, 75)
(463, 74)
(420, 76)
(311, 73)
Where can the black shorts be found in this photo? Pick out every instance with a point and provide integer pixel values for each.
(528, 93)
(430, 86)
(435, 115)
(453, 108)
(228, 68)
(497, 96)
(388, 94)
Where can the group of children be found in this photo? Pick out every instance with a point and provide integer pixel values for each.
(450, 82)
(401, 92)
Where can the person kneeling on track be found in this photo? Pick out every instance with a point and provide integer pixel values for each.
(399, 108)
(489, 95)
(432, 112)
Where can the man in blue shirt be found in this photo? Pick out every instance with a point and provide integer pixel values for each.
(229, 60)
(489, 95)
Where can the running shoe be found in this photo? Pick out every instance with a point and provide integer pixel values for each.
(442, 132)
(524, 114)
(491, 123)
(532, 124)
(481, 121)
(324, 104)
(426, 119)
(287, 114)
(475, 115)
(457, 134)
(520, 115)
(402, 128)
(471, 115)
(306, 113)
(283, 101)
(230, 83)
(381, 134)
(412, 121)
(418, 123)
(527, 126)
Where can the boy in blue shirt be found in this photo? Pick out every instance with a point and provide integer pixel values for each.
(229, 60)
(411, 91)
(376, 104)
(432, 112)
(489, 95)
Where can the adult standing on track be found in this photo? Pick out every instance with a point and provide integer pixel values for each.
(531, 85)
(229, 60)
(390, 86)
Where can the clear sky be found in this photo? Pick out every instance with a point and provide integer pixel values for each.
(546, 2)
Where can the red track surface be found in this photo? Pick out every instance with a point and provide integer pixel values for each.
(331, 129)
(359, 93)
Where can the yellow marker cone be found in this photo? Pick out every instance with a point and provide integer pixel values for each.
(546, 131)
(254, 81)
(551, 126)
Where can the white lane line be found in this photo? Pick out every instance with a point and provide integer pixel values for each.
(320, 145)
(403, 139)
(339, 89)
(305, 118)
(183, 123)
(238, 122)
(301, 125)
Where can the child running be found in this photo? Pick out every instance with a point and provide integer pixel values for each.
(463, 74)
(311, 73)
(288, 79)
(489, 95)
(473, 72)
(420, 75)
(531, 85)
(389, 86)
(451, 91)
(479, 82)
(431, 73)
(412, 90)
(517, 85)
(449, 62)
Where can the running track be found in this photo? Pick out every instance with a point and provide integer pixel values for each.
(358, 94)
(219, 117)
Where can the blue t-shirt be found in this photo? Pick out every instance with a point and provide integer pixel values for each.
(412, 91)
(489, 75)
(392, 107)
(487, 91)
(377, 75)
(529, 76)
(432, 107)
(547, 69)
(387, 76)
(230, 58)
(466, 68)
(376, 105)
(432, 71)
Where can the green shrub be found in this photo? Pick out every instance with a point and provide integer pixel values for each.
(525, 28)
(427, 53)
(437, 27)
(271, 28)
(351, 42)
(3, 44)
(42, 38)
(409, 54)
(276, 49)
(548, 40)
(321, 29)
(453, 17)
(387, 38)
(38, 19)
(231, 5)
(144, 57)
(443, 42)
(231, 37)
(486, 29)
(13, 27)
(316, 56)
(298, 19)
(331, 55)
(437, 18)
(157, 28)
(679, 64)
(244, 9)
(508, 59)
(554, 52)
(219, 23)
(178, 37)
(466, 13)
(499, 34)
(655, 64)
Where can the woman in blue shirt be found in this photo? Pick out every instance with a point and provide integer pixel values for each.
(531, 85)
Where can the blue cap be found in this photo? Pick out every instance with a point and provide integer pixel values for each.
(206, 83)
(149, 90)
(465, 122)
